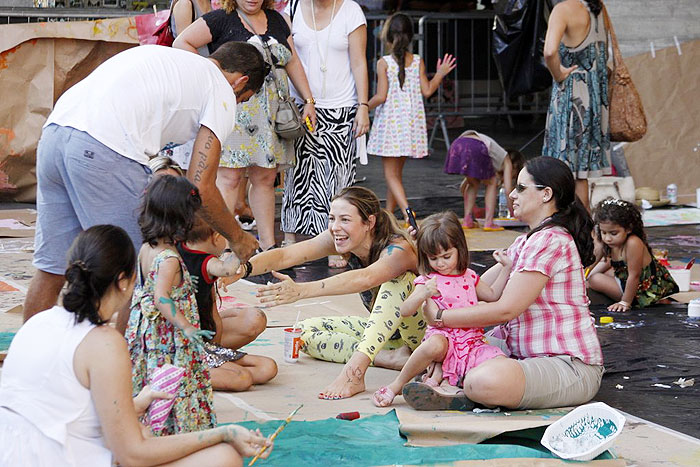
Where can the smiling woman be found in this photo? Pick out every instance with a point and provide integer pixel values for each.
(383, 260)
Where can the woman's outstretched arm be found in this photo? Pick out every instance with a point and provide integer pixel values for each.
(522, 290)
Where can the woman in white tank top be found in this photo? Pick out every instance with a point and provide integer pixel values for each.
(65, 392)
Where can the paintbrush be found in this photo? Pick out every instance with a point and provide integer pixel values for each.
(274, 435)
(690, 263)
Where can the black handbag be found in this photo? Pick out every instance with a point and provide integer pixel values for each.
(288, 122)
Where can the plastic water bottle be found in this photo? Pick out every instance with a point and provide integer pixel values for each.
(502, 203)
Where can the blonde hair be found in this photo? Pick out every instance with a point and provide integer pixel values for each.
(441, 231)
(230, 5)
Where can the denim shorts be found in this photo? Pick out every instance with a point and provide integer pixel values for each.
(81, 183)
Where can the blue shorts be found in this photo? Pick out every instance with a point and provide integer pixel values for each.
(81, 183)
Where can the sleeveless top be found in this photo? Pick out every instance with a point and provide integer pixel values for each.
(39, 383)
(577, 130)
(399, 127)
(196, 14)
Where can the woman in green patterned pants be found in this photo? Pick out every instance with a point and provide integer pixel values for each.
(383, 262)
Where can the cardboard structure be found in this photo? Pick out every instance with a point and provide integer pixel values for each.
(669, 83)
(38, 62)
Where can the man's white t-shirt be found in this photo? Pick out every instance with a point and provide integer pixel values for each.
(147, 97)
(310, 45)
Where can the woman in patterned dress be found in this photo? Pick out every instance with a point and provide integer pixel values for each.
(254, 147)
(578, 129)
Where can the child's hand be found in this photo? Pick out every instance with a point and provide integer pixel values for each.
(198, 335)
(246, 442)
(502, 258)
(224, 282)
(620, 306)
(431, 289)
(447, 64)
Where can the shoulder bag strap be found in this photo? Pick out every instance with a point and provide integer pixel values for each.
(268, 54)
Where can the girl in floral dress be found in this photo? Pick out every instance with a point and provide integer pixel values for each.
(399, 129)
(164, 322)
(628, 272)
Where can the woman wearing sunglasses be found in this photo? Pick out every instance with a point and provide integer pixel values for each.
(542, 316)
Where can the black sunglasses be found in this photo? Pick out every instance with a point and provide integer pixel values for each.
(520, 187)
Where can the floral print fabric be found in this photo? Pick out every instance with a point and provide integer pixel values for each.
(154, 341)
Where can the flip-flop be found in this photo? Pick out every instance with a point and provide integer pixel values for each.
(422, 396)
(495, 228)
(383, 397)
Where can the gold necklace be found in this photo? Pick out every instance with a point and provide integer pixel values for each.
(324, 60)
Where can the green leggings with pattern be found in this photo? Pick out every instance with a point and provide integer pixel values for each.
(336, 338)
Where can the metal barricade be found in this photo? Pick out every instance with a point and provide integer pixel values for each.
(475, 87)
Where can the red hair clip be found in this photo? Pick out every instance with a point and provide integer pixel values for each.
(193, 192)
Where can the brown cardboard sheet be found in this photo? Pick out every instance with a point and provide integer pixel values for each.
(669, 85)
(38, 62)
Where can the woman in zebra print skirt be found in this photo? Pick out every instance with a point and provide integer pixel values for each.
(330, 37)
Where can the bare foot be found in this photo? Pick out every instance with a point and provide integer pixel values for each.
(350, 381)
(393, 359)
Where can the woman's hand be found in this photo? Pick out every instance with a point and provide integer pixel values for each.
(285, 291)
(246, 442)
(445, 65)
(564, 73)
(502, 258)
(147, 395)
(310, 112)
(361, 124)
(620, 306)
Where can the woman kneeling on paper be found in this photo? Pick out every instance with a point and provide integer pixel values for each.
(556, 359)
(384, 264)
(67, 402)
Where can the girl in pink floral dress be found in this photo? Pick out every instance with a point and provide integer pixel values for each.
(446, 282)
(164, 321)
(399, 129)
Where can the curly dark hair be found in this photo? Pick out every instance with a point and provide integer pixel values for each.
(97, 259)
(571, 214)
(623, 213)
(168, 209)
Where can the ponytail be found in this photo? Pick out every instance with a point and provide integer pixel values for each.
(398, 35)
(570, 214)
(98, 258)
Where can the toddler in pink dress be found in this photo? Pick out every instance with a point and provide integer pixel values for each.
(446, 283)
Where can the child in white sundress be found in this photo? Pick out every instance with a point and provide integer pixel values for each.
(399, 129)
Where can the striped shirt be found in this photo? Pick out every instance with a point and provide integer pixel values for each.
(559, 321)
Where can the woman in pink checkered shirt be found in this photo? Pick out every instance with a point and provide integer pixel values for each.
(542, 316)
